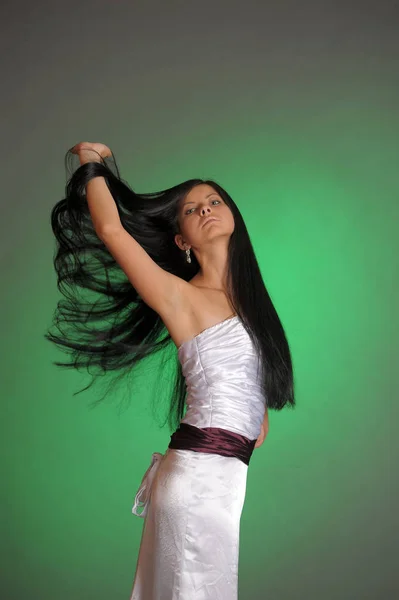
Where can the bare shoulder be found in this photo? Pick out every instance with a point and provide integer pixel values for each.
(186, 307)
(195, 309)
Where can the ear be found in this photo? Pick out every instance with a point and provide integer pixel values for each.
(179, 241)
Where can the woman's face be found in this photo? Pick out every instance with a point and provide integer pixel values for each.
(200, 204)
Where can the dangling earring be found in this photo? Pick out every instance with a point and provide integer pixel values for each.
(188, 255)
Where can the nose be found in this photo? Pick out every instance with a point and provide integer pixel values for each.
(205, 209)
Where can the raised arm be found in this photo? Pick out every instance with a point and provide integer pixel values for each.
(161, 290)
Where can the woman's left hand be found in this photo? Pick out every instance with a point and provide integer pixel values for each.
(261, 438)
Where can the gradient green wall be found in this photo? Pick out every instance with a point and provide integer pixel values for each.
(294, 110)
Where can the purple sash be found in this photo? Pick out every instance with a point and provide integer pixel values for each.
(212, 440)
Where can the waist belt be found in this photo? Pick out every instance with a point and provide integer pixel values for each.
(211, 440)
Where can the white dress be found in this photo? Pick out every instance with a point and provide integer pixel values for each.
(192, 501)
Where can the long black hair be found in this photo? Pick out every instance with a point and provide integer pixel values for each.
(114, 329)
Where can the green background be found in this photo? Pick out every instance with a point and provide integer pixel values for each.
(294, 110)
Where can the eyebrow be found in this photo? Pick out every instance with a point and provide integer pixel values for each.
(211, 194)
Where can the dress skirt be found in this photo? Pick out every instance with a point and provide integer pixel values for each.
(189, 547)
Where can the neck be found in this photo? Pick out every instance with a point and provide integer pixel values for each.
(213, 268)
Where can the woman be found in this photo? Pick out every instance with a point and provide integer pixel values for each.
(188, 266)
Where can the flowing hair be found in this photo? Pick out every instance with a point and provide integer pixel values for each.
(114, 329)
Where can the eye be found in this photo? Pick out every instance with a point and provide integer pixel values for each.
(190, 209)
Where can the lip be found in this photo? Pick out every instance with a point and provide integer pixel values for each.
(209, 219)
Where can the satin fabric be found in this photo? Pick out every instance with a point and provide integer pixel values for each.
(192, 501)
(189, 547)
(223, 377)
(213, 440)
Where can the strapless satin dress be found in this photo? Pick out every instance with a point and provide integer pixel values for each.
(192, 501)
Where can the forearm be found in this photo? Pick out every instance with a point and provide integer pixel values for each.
(103, 210)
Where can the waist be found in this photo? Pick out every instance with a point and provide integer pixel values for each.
(212, 440)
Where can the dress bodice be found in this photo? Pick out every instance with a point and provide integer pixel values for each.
(222, 372)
